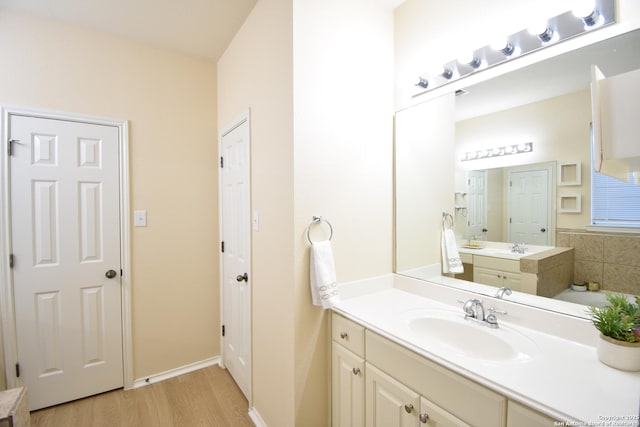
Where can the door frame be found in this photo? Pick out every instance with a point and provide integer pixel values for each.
(7, 309)
(240, 119)
(550, 167)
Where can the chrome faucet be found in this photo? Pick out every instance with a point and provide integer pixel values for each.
(474, 310)
(502, 292)
(518, 248)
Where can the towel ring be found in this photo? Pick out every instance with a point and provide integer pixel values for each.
(318, 220)
(447, 220)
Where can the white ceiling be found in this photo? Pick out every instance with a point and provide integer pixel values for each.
(202, 28)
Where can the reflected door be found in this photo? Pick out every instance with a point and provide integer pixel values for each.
(65, 226)
(477, 205)
(529, 200)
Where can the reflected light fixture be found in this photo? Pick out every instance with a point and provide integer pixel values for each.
(526, 147)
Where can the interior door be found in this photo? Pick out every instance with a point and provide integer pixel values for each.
(65, 242)
(236, 256)
(477, 205)
(529, 206)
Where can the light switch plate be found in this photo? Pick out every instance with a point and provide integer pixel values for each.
(140, 218)
(255, 221)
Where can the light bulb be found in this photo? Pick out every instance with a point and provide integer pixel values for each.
(583, 8)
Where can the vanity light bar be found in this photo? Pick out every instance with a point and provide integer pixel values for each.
(527, 147)
(559, 28)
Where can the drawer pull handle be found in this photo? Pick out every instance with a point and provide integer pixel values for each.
(409, 408)
(356, 371)
(424, 418)
(344, 335)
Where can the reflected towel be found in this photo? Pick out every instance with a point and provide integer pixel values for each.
(324, 290)
(451, 262)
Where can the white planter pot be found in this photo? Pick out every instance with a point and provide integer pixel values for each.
(619, 354)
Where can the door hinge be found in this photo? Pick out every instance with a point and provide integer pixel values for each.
(221, 161)
(222, 330)
(10, 146)
(17, 370)
(222, 246)
(11, 260)
(120, 272)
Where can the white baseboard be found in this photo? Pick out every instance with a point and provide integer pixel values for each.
(256, 418)
(175, 372)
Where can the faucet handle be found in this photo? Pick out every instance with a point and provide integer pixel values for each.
(493, 310)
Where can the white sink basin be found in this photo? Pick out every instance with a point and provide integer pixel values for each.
(452, 332)
(505, 254)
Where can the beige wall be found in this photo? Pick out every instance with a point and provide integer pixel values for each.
(256, 72)
(170, 102)
(423, 133)
(343, 157)
(559, 129)
(321, 135)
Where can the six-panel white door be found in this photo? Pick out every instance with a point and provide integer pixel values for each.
(477, 205)
(236, 258)
(65, 238)
(529, 196)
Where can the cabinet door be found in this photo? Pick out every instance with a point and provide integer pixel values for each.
(512, 280)
(488, 276)
(434, 416)
(347, 388)
(390, 403)
(521, 416)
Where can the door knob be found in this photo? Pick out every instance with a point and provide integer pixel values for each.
(110, 274)
(242, 277)
(543, 230)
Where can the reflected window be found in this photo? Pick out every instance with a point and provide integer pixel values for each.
(615, 202)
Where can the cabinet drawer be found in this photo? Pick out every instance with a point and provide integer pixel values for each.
(469, 401)
(348, 333)
(496, 263)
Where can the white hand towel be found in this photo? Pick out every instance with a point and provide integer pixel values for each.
(324, 290)
(451, 262)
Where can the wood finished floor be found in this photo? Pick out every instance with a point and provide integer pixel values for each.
(207, 397)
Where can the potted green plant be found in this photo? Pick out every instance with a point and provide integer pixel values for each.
(619, 326)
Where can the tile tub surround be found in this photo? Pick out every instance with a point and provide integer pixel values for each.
(564, 381)
(613, 260)
(554, 269)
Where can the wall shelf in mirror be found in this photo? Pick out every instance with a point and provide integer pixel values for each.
(570, 203)
(569, 173)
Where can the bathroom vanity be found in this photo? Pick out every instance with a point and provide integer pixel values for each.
(403, 354)
(540, 270)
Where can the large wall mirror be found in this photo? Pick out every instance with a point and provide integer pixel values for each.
(547, 104)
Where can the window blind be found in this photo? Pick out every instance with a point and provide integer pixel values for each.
(614, 202)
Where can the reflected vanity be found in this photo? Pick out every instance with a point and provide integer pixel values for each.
(547, 103)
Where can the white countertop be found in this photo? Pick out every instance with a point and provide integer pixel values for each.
(564, 380)
(498, 249)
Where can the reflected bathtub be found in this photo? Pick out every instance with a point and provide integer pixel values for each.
(597, 299)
